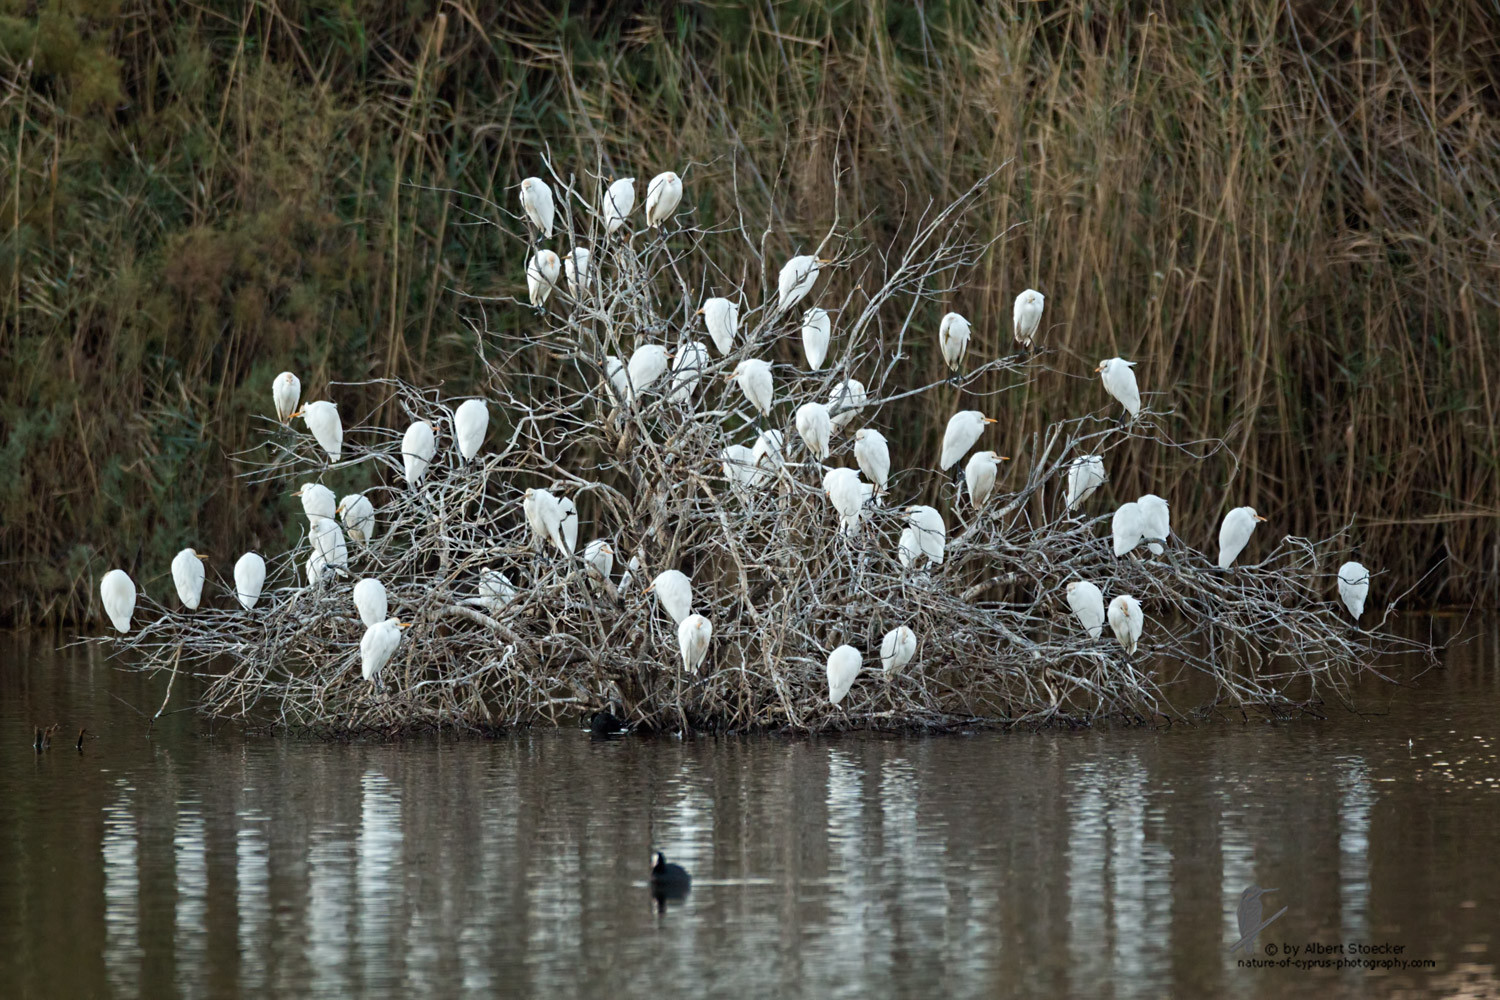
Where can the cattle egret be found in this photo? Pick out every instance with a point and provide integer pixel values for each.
(619, 381)
(1087, 602)
(1127, 527)
(1127, 621)
(117, 592)
(845, 402)
(931, 534)
(908, 548)
(980, 474)
(964, 428)
(359, 517)
(286, 390)
(318, 503)
(874, 457)
(897, 649)
(316, 567)
(647, 364)
(249, 578)
(369, 601)
(632, 568)
(754, 379)
(1085, 475)
(1119, 382)
(536, 202)
(495, 590)
(843, 489)
(953, 338)
(576, 266)
(796, 280)
(843, 667)
(619, 202)
(568, 527)
(1354, 587)
(418, 446)
(378, 646)
(541, 276)
(675, 592)
(769, 451)
(693, 635)
(1156, 521)
(322, 418)
(187, 576)
(815, 427)
(662, 196)
(544, 516)
(470, 421)
(599, 557)
(687, 369)
(817, 329)
(1234, 534)
(738, 463)
(1025, 317)
(722, 318)
(328, 542)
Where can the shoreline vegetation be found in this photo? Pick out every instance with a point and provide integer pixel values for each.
(1285, 213)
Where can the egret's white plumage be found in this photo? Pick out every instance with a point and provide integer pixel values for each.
(187, 577)
(908, 547)
(931, 534)
(322, 419)
(318, 503)
(286, 390)
(647, 364)
(963, 431)
(1026, 316)
(1087, 602)
(619, 380)
(1156, 520)
(378, 646)
(693, 635)
(769, 451)
(980, 475)
(873, 454)
(632, 569)
(1085, 475)
(328, 542)
(470, 422)
(817, 330)
(845, 402)
(796, 280)
(1126, 527)
(754, 379)
(897, 649)
(249, 578)
(568, 526)
(544, 516)
(316, 566)
(1354, 587)
(619, 202)
(577, 266)
(495, 590)
(599, 557)
(1119, 382)
(1234, 534)
(541, 276)
(370, 601)
(675, 593)
(1127, 620)
(844, 491)
(843, 667)
(953, 338)
(687, 369)
(722, 318)
(359, 517)
(418, 445)
(815, 428)
(117, 594)
(738, 463)
(536, 202)
(662, 196)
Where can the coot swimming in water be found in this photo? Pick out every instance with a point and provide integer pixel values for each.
(668, 881)
(605, 723)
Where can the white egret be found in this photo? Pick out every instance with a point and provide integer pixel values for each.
(930, 532)
(1087, 602)
(675, 592)
(1127, 527)
(815, 428)
(754, 379)
(316, 566)
(359, 517)
(687, 368)
(249, 578)
(1119, 382)
(470, 422)
(632, 569)
(768, 452)
(117, 593)
(1085, 475)
(953, 337)
(897, 649)
(817, 330)
(370, 601)
(796, 280)
(378, 646)
(1026, 316)
(318, 503)
(187, 575)
(1354, 587)
(739, 468)
(845, 402)
(693, 636)
(980, 475)
(541, 276)
(536, 202)
(963, 431)
(873, 454)
(495, 590)
(568, 527)
(418, 446)
(722, 318)
(543, 515)
(908, 548)
(328, 542)
(1234, 534)
(647, 364)
(843, 667)
(599, 557)
(662, 196)
(619, 202)
(1156, 521)
(286, 390)
(619, 380)
(576, 265)
(843, 488)
(1127, 620)
(322, 419)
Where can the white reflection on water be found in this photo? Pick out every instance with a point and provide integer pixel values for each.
(379, 876)
(1356, 796)
(855, 934)
(122, 946)
(252, 899)
(1088, 957)
(330, 880)
(191, 866)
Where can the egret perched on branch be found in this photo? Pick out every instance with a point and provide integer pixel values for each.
(796, 279)
(569, 525)
(687, 369)
(117, 593)
(908, 548)
(897, 649)
(187, 575)
(980, 474)
(929, 531)
(418, 446)
(964, 428)
(1156, 521)
(843, 488)
(693, 636)
(322, 419)
(817, 330)
(1085, 475)
(768, 452)
(1354, 587)
(874, 457)
(359, 517)
(754, 378)
(1127, 527)
(619, 202)
(328, 543)
(815, 427)
(378, 646)
(495, 590)
(843, 667)
(536, 202)
(632, 569)
(1234, 534)
(249, 578)
(647, 364)
(577, 268)
(662, 196)
(953, 338)
(470, 421)
(599, 558)
(369, 601)
(317, 566)
(1127, 620)
(845, 402)
(1087, 602)
(286, 390)
(619, 381)
(1119, 382)
(739, 468)
(1025, 317)
(675, 592)
(722, 318)
(318, 503)
(543, 515)
(541, 276)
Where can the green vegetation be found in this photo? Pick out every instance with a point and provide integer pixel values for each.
(1287, 215)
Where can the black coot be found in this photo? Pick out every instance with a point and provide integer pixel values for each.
(668, 881)
(606, 723)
